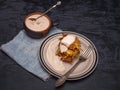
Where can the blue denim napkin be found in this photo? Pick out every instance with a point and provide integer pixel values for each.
(24, 50)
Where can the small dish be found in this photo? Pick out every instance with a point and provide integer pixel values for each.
(39, 28)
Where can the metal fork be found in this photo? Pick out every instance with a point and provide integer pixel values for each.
(82, 58)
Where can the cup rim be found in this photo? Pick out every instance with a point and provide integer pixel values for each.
(39, 14)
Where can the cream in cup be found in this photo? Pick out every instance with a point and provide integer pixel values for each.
(39, 27)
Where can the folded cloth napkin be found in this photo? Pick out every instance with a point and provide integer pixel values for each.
(24, 50)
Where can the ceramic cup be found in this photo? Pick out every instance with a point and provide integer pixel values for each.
(38, 28)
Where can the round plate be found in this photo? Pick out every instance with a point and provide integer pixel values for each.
(53, 65)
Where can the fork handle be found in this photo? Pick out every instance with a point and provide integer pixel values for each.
(64, 77)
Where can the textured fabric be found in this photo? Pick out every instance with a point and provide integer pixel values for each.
(24, 50)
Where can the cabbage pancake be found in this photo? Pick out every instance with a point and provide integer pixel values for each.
(68, 48)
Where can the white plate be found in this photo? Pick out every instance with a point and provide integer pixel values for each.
(53, 65)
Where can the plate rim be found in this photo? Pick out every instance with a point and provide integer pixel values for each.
(73, 78)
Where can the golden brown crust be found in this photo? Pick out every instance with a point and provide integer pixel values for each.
(72, 52)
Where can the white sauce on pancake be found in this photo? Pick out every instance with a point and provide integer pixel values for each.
(66, 42)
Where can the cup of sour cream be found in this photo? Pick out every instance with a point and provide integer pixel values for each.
(38, 28)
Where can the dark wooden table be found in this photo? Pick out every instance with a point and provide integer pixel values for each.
(99, 20)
